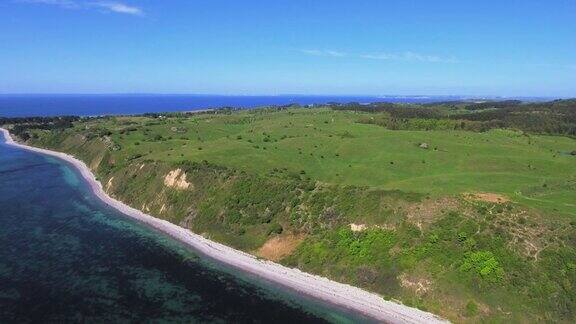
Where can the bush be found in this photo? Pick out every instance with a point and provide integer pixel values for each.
(275, 228)
(484, 264)
(471, 309)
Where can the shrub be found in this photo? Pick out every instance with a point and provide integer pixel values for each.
(275, 228)
(471, 309)
(484, 264)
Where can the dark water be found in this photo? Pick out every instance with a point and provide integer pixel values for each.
(91, 105)
(67, 257)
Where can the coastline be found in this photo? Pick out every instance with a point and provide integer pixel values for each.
(343, 295)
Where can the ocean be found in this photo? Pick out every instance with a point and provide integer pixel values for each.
(66, 257)
(95, 105)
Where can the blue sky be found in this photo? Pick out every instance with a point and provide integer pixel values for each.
(504, 47)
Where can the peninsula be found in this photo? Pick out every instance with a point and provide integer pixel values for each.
(460, 209)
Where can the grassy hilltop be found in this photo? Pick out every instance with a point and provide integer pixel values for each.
(466, 210)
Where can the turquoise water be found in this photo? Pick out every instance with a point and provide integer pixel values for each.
(67, 257)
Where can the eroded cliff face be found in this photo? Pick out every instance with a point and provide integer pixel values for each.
(177, 179)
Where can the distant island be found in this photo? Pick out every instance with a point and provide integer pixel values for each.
(464, 209)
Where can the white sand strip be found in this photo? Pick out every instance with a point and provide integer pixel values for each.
(343, 295)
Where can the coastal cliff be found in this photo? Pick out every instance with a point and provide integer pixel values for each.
(456, 252)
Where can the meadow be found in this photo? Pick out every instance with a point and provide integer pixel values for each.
(331, 147)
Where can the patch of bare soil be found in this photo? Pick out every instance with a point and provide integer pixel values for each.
(362, 227)
(280, 246)
(177, 179)
(358, 227)
(487, 197)
(419, 285)
(109, 184)
(427, 212)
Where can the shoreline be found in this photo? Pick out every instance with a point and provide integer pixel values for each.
(334, 293)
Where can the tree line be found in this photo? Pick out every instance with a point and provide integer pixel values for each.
(554, 117)
(22, 125)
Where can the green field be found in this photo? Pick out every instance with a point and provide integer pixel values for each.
(330, 147)
(331, 192)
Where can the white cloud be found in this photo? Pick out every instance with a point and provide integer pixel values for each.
(316, 52)
(119, 7)
(380, 56)
(109, 6)
(405, 56)
(335, 53)
(408, 56)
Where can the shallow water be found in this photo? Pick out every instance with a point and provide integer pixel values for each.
(67, 257)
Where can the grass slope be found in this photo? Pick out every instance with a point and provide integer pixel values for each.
(330, 147)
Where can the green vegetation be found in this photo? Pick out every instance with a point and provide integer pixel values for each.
(463, 209)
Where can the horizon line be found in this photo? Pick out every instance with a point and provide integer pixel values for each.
(280, 94)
